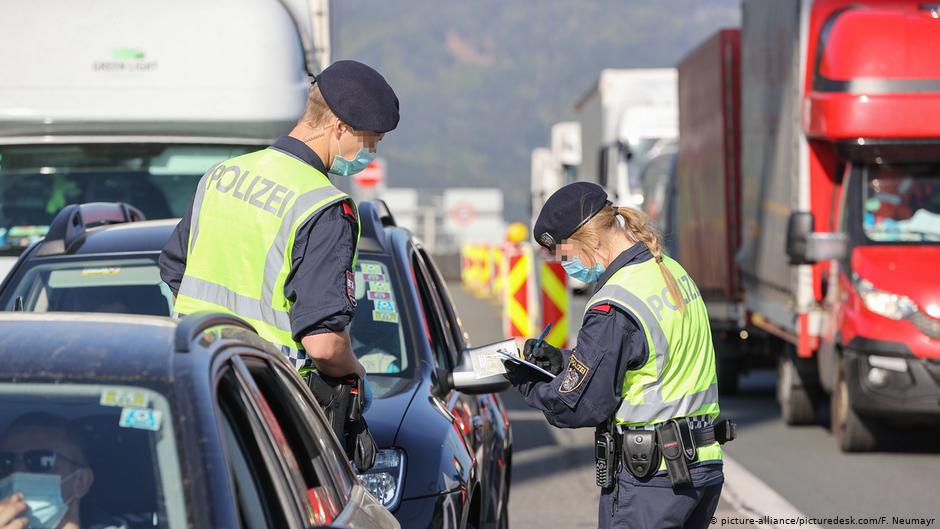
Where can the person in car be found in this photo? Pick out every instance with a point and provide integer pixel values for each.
(44, 473)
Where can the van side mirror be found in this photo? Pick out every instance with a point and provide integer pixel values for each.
(805, 246)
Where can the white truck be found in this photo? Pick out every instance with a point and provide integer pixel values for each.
(622, 116)
(132, 101)
(556, 165)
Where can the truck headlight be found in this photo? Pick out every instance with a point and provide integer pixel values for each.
(894, 306)
(384, 479)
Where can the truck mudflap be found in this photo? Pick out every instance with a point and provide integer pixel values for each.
(889, 385)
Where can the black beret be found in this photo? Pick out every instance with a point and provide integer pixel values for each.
(566, 211)
(359, 96)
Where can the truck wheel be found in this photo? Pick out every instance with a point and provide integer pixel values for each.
(853, 433)
(795, 396)
(727, 376)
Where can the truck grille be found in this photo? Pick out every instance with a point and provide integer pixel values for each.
(926, 324)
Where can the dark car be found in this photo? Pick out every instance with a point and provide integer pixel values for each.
(444, 436)
(159, 423)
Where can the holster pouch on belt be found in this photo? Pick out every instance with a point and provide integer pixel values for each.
(340, 398)
(641, 453)
(676, 444)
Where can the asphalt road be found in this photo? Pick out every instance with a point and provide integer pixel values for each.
(553, 469)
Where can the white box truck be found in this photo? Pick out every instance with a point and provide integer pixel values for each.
(622, 116)
(132, 101)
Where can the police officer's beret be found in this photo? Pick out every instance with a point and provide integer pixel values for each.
(566, 211)
(359, 96)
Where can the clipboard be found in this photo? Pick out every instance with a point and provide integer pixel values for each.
(548, 376)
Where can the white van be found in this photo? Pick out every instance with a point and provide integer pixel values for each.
(132, 100)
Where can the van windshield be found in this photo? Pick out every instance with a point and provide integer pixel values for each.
(38, 180)
(902, 202)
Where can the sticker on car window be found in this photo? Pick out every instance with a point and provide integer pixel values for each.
(370, 268)
(379, 295)
(102, 271)
(140, 419)
(123, 398)
(380, 286)
(374, 277)
(384, 305)
(388, 317)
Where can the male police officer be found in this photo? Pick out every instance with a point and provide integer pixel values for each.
(270, 239)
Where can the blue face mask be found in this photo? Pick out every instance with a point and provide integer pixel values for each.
(343, 167)
(43, 496)
(576, 269)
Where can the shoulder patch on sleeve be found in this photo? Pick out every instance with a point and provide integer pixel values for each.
(574, 375)
(348, 210)
(351, 287)
(605, 308)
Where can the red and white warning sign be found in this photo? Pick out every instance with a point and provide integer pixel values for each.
(463, 213)
(371, 176)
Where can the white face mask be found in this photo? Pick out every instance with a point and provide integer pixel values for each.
(43, 496)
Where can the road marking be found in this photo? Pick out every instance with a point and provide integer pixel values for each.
(752, 497)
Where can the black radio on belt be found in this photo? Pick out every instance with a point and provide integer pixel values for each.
(605, 459)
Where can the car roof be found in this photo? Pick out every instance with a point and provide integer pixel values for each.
(142, 236)
(90, 347)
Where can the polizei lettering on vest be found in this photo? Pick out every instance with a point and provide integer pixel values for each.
(664, 300)
(256, 190)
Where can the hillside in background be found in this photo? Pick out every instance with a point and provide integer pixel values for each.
(481, 82)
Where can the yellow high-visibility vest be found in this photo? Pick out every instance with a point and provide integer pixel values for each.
(246, 213)
(679, 377)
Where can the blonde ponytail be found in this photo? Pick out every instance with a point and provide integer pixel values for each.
(637, 227)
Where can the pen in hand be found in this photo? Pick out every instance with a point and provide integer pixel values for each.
(541, 337)
(544, 334)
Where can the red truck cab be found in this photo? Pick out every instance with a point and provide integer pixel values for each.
(871, 116)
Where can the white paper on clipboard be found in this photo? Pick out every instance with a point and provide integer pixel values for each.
(488, 359)
(529, 365)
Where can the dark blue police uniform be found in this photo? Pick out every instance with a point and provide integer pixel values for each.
(610, 343)
(317, 283)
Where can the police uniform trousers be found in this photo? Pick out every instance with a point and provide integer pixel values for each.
(654, 504)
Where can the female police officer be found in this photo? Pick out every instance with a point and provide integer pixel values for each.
(643, 371)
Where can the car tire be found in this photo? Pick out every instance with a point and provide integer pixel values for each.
(796, 393)
(853, 432)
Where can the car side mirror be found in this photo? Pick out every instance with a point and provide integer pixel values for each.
(805, 246)
(467, 382)
(464, 380)
(440, 382)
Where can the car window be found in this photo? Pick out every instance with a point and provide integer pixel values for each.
(254, 481)
(114, 444)
(299, 447)
(312, 447)
(38, 180)
(441, 343)
(378, 328)
(333, 456)
(453, 323)
(127, 286)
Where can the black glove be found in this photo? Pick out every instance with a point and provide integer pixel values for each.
(518, 376)
(544, 355)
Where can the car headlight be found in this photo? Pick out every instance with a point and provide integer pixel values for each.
(384, 479)
(894, 306)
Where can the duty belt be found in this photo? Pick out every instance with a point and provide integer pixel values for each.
(676, 441)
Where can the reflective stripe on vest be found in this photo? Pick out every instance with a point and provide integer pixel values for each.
(246, 213)
(679, 377)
